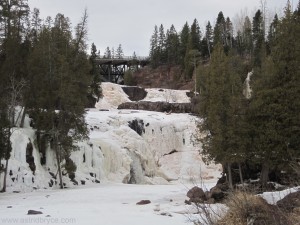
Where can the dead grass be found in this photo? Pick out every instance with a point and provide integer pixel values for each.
(248, 209)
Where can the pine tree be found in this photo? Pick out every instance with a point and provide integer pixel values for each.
(272, 35)
(119, 53)
(95, 73)
(154, 51)
(207, 42)
(195, 36)
(220, 30)
(247, 37)
(184, 39)
(258, 38)
(172, 46)
(162, 45)
(107, 53)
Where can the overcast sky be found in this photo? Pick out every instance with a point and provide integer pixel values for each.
(131, 22)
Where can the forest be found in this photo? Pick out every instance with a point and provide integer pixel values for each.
(45, 72)
(248, 130)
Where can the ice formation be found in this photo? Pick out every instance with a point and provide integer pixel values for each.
(159, 148)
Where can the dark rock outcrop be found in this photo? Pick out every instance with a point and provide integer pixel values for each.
(159, 106)
(137, 126)
(135, 93)
(216, 194)
(34, 212)
(143, 202)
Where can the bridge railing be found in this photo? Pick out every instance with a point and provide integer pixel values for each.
(127, 58)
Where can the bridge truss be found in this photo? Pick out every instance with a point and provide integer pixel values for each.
(113, 69)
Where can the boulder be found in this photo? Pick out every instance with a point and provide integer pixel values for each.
(34, 212)
(217, 194)
(290, 202)
(143, 202)
(196, 192)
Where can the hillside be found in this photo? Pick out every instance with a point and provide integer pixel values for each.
(162, 77)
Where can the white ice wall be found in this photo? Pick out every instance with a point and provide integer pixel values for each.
(114, 149)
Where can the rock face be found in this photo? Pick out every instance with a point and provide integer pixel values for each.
(158, 106)
(135, 93)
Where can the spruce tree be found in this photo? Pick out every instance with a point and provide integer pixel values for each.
(258, 38)
(95, 73)
(172, 46)
(207, 41)
(162, 45)
(220, 30)
(119, 52)
(154, 50)
(195, 36)
(184, 39)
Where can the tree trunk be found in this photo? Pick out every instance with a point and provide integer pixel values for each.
(58, 164)
(264, 176)
(23, 117)
(7, 156)
(241, 174)
(229, 176)
(5, 176)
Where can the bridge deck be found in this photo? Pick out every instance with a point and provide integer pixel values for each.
(125, 60)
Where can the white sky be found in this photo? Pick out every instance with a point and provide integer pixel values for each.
(131, 22)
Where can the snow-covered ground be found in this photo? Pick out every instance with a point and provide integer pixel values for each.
(107, 204)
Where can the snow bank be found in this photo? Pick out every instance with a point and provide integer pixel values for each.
(167, 95)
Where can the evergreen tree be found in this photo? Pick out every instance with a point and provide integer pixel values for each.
(272, 35)
(220, 30)
(107, 53)
(154, 50)
(95, 73)
(162, 44)
(221, 104)
(275, 104)
(258, 38)
(119, 53)
(193, 48)
(247, 37)
(228, 34)
(207, 41)
(184, 39)
(172, 46)
(195, 36)
(58, 68)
